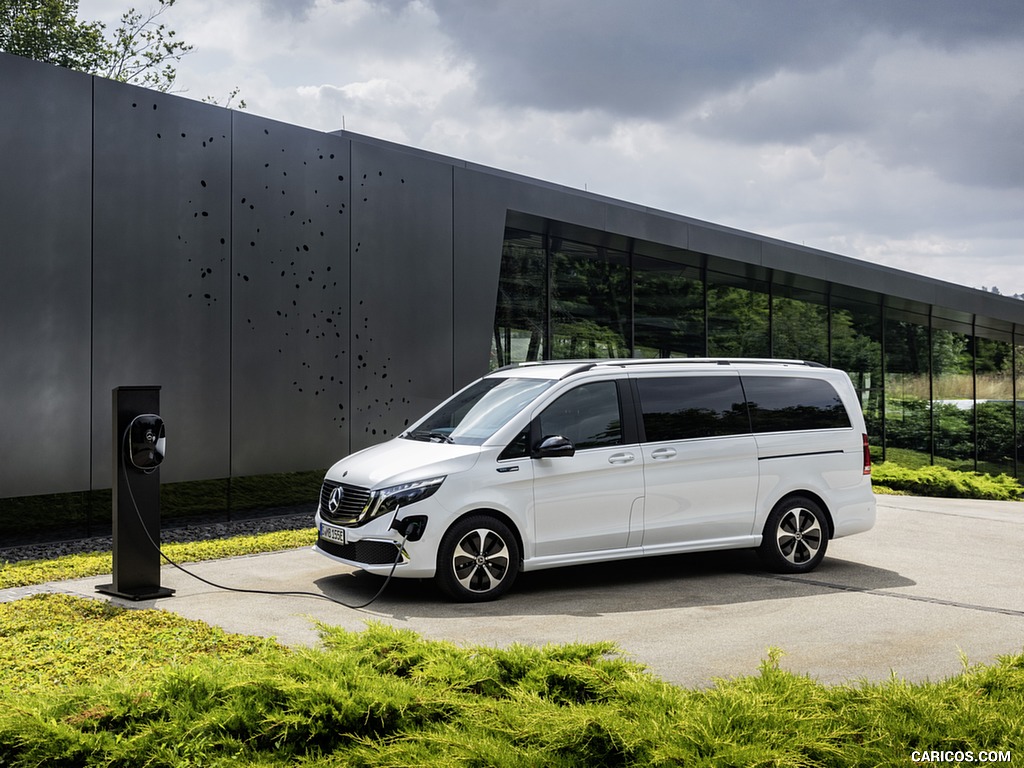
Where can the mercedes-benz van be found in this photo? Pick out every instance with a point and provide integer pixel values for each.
(550, 464)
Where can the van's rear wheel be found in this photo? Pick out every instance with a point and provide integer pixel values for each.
(478, 559)
(795, 536)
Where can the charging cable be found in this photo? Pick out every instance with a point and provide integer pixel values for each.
(399, 546)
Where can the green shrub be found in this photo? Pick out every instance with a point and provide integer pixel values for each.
(146, 687)
(948, 483)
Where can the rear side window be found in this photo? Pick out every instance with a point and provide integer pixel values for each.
(684, 407)
(790, 403)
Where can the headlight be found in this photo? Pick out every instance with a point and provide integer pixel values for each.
(391, 498)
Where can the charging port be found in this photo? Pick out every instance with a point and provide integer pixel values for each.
(412, 528)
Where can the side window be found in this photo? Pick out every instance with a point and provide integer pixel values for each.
(683, 407)
(790, 403)
(519, 448)
(588, 415)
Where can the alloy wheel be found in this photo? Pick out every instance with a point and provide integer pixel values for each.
(799, 535)
(480, 560)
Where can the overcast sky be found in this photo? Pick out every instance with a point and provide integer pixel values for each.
(886, 130)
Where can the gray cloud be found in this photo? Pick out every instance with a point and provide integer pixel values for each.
(655, 57)
(281, 9)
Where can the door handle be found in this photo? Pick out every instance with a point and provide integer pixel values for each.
(621, 458)
(663, 453)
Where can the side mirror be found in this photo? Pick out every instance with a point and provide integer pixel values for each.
(554, 446)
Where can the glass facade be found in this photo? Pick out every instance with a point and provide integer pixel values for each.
(590, 301)
(936, 386)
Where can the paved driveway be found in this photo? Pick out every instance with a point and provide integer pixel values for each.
(936, 578)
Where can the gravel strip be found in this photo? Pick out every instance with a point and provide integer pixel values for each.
(288, 520)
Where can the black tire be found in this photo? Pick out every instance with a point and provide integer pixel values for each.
(795, 536)
(478, 560)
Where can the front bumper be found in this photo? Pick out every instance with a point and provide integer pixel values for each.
(374, 548)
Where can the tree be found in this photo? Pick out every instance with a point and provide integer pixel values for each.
(48, 30)
(141, 51)
(144, 50)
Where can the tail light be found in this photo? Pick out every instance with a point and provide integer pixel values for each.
(867, 457)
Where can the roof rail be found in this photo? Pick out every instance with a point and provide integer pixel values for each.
(580, 365)
(623, 362)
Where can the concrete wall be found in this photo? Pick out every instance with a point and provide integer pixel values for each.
(291, 291)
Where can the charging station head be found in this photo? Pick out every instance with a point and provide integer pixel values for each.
(145, 441)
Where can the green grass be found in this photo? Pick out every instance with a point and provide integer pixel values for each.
(29, 572)
(87, 684)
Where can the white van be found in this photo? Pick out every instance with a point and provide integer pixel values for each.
(566, 462)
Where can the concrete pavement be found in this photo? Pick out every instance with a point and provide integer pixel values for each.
(935, 578)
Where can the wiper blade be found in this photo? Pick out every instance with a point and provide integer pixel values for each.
(430, 436)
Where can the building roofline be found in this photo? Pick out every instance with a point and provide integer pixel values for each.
(990, 309)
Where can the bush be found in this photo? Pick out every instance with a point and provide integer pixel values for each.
(389, 697)
(947, 483)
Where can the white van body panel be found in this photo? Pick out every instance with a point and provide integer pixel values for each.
(631, 499)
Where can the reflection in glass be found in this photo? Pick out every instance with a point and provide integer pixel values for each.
(908, 419)
(857, 349)
(519, 316)
(1018, 399)
(953, 399)
(997, 443)
(946, 388)
(590, 301)
(737, 317)
(800, 328)
(669, 308)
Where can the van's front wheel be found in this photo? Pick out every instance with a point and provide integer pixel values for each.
(478, 560)
(795, 536)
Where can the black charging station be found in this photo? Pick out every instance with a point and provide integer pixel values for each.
(139, 439)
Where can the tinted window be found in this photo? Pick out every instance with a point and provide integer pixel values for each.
(692, 406)
(588, 415)
(519, 448)
(783, 403)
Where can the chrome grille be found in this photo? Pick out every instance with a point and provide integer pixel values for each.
(353, 502)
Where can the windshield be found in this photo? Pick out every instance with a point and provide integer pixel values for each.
(477, 412)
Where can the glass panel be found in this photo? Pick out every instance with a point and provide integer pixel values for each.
(588, 415)
(590, 302)
(857, 349)
(737, 316)
(1018, 399)
(994, 381)
(685, 407)
(54, 517)
(786, 404)
(908, 419)
(521, 309)
(800, 326)
(669, 306)
(473, 414)
(953, 403)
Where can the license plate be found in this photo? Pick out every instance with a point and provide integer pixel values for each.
(337, 535)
